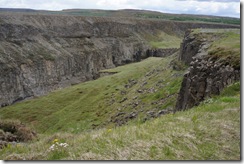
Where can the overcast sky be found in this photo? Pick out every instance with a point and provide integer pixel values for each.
(229, 8)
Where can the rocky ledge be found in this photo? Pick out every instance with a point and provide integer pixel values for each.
(207, 74)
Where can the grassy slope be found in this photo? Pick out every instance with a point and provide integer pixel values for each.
(92, 104)
(166, 41)
(210, 131)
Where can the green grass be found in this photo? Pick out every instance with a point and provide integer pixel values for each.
(92, 105)
(163, 40)
(210, 131)
(191, 18)
(225, 47)
(151, 15)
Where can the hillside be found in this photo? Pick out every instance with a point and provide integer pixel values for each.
(134, 91)
(83, 88)
(147, 14)
(130, 13)
(210, 131)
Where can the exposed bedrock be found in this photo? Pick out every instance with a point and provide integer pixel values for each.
(161, 52)
(205, 76)
(41, 53)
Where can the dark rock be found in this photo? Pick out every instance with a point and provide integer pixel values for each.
(123, 100)
(151, 113)
(3, 144)
(127, 86)
(135, 97)
(151, 90)
(9, 137)
(204, 78)
(163, 112)
(135, 104)
(120, 113)
(122, 92)
(145, 119)
(132, 115)
(161, 52)
(140, 91)
(144, 83)
(112, 101)
(130, 84)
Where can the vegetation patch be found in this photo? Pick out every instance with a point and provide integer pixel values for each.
(150, 15)
(227, 49)
(210, 131)
(12, 131)
(224, 45)
(163, 40)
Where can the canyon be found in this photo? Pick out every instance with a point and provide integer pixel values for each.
(41, 53)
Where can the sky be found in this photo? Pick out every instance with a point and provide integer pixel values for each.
(230, 8)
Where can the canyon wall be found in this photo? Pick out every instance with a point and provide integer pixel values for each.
(208, 74)
(42, 53)
(161, 52)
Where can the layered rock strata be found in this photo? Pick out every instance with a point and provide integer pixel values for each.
(42, 53)
(206, 76)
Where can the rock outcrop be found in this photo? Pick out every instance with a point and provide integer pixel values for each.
(41, 53)
(161, 52)
(206, 76)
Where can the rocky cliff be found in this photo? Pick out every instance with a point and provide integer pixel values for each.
(41, 53)
(214, 60)
(159, 52)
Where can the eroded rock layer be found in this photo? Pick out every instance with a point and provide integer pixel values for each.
(208, 74)
(41, 53)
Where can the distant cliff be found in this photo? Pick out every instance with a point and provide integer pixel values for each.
(41, 53)
(213, 57)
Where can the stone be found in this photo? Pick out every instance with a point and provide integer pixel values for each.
(132, 115)
(162, 112)
(123, 100)
(120, 113)
(122, 92)
(140, 91)
(134, 98)
(144, 83)
(206, 77)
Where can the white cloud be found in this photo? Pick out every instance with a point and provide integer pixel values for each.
(118, 4)
(206, 7)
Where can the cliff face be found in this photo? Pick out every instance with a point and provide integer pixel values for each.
(41, 53)
(209, 73)
(161, 52)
